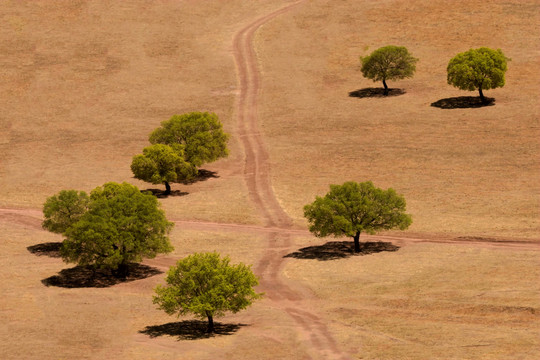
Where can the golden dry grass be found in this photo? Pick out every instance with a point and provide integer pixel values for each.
(41, 322)
(83, 83)
(468, 171)
(430, 301)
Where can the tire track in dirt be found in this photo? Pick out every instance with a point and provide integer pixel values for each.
(310, 327)
(256, 167)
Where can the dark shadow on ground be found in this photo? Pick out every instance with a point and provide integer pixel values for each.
(190, 329)
(51, 249)
(202, 175)
(375, 92)
(341, 249)
(85, 276)
(159, 193)
(463, 102)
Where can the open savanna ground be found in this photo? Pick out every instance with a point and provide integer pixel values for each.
(468, 171)
(85, 82)
(428, 301)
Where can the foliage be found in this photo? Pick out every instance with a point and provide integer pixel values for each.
(478, 69)
(388, 63)
(206, 285)
(120, 225)
(162, 164)
(63, 210)
(353, 208)
(201, 135)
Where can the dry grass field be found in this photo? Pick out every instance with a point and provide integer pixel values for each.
(462, 171)
(430, 301)
(84, 82)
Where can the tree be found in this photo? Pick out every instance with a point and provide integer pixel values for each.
(353, 208)
(206, 285)
(162, 164)
(481, 69)
(120, 225)
(200, 134)
(388, 63)
(63, 210)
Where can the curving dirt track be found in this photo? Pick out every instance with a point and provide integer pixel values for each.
(256, 168)
(257, 176)
(285, 296)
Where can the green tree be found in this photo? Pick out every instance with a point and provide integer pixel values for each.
(121, 225)
(201, 135)
(162, 164)
(353, 208)
(63, 210)
(206, 285)
(388, 63)
(477, 69)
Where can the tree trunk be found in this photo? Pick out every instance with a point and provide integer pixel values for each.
(482, 98)
(385, 88)
(210, 329)
(167, 188)
(357, 242)
(123, 271)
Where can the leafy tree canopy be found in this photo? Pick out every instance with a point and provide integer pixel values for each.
(162, 164)
(478, 69)
(353, 208)
(120, 225)
(388, 63)
(206, 285)
(200, 133)
(63, 210)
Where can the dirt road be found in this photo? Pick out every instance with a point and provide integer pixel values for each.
(290, 298)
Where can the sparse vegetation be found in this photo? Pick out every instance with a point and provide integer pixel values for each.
(478, 69)
(94, 78)
(353, 208)
(207, 286)
(388, 63)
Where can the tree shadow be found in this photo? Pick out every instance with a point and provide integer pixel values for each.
(88, 276)
(463, 102)
(190, 329)
(50, 249)
(375, 93)
(159, 193)
(341, 249)
(202, 175)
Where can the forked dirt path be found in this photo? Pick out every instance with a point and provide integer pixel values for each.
(293, 299)
(310, 328)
